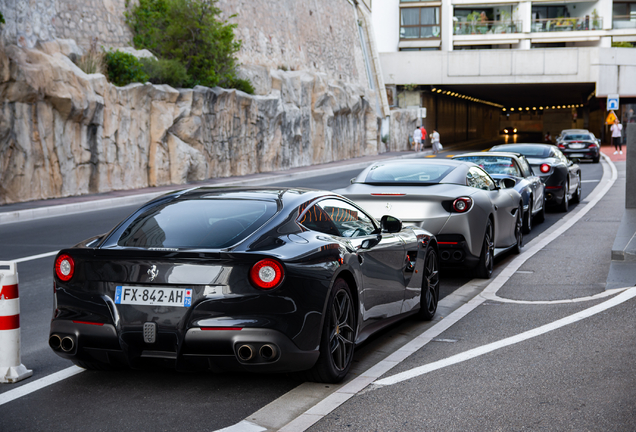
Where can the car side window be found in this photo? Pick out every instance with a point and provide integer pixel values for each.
(477, 178)
(317, 219)
(525, 167)
(348, 219)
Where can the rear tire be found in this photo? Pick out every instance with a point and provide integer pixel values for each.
(597, 159)
(338, 337)
(576, 198)
(564, 205)
(527, 219)
(540, 216)
(486, 259)
(430, 287)
(518, 232)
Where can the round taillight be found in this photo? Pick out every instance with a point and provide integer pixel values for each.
(545, 168)
(64, 267)
(462, 204)
(267, 273)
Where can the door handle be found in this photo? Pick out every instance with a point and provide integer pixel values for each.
(360, 259)
(496, 208)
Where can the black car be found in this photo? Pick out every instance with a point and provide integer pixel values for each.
(264, 280)
(561, 176)
(514, 165)
(580, 145)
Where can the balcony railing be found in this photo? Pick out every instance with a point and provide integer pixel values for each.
(624, 21)
(487, 27)
(567, 24)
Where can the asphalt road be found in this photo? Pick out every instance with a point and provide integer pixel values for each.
(488, 391)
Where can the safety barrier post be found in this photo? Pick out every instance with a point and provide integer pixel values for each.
(11, 368)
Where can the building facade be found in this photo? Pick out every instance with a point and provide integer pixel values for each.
(521, 57)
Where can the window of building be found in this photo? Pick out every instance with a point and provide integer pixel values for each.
(420, 22)
(624, 15)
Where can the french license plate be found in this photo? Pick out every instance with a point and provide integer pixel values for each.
(153, 296)
(579, 155)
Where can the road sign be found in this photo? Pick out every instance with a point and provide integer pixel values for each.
(611, 118)
(612, 102)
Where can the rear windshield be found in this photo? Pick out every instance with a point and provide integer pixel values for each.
(200, 223)
(493, 164)
(408, 173)
(578, 137)
(526, 150)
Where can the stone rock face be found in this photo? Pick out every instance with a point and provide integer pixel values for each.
(64, 133)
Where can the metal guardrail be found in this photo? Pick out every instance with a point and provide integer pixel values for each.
(487, 27)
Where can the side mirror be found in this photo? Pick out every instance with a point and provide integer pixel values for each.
(390, 224)
(353, 180)
(507, 183)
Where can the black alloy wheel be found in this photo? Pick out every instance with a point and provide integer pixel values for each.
(518, 231)
(430, 286)
(527, 219)
(486, 259)
(576, 198)
(564, 205)
(338, 337)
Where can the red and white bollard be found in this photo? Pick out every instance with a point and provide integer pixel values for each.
(11, 368)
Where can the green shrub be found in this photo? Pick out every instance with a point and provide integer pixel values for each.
(170, 72)
(123, 68)
(1, 18)
(190, 32)
(241, 84)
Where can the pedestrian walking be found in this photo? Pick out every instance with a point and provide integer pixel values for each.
(437, 146)
(617, 138)
(424, 135)
(417, 138)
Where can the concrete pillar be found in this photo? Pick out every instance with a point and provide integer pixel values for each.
(630, 165)
(523, 13)
(448, 12)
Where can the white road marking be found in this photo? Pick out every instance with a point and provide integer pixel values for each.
(33, 386)
(590, 181)
(485, 349)
(34, 257)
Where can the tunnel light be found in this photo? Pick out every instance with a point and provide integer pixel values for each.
(503, 109)
(558, 106)
(534, 108)
(541, 108)
(527, 108)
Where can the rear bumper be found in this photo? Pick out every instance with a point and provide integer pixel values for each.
(586, 153)
(201, 349)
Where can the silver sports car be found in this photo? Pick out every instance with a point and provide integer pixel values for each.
(472, 217)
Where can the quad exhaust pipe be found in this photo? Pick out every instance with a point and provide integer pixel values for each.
(245, 352)
(268, 352)
(66, 343)
(55, 342)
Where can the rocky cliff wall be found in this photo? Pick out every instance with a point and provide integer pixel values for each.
(65, 133)
(29, 21)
